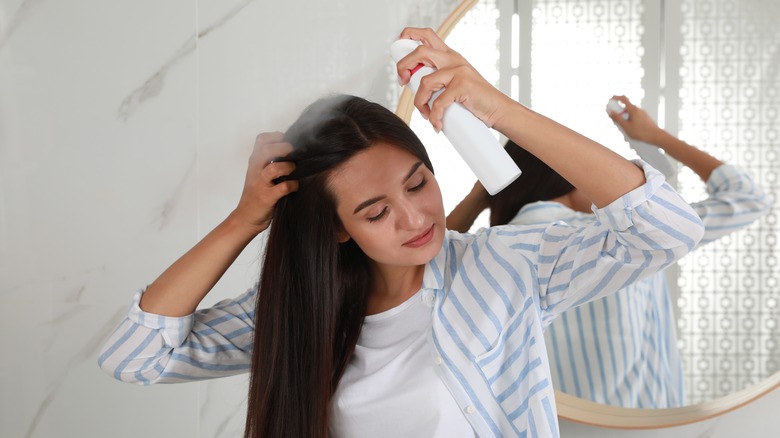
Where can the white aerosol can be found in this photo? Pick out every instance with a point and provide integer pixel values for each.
(470, 137)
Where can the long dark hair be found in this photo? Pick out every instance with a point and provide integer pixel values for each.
(538, 182)
(313, 289)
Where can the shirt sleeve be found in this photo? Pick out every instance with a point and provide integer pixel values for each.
(214, 342)
(734, 202)
(638, 234)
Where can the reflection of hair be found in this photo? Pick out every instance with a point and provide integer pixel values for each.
(312, 296)
(538, 182)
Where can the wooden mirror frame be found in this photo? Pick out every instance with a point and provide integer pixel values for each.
(583, 411)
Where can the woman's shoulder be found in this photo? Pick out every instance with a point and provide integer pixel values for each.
(496, 238)
(485, 235)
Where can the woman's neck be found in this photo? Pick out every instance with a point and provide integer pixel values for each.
(392, 285)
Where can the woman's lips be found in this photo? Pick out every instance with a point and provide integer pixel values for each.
(420, 239)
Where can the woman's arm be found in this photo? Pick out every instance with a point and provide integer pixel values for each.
(163, 338)
(179, 290)
(734, 200)
(601, 175)
(639, 126)
(213, 342)
(462, 217)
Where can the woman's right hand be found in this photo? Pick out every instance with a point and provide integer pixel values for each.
(462, 82)
(639, 125)
(179, 290)
(260, 193)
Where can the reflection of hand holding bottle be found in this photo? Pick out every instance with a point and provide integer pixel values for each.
(652, 155)
(468, 134)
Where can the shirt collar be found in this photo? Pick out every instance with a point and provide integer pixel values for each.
(542, 212)
(433, 278)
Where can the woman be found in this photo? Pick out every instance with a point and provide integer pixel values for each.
(371, 319)
(620, 350)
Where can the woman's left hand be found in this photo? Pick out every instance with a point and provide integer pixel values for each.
(462, 83)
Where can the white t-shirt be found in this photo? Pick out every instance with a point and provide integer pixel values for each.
(391, 387)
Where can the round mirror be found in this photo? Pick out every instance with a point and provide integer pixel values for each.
(565, 59)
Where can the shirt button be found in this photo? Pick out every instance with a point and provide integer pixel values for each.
(428, 300)
(470, 409)
(437, 360)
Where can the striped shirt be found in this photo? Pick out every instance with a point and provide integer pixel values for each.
(494, 293)
(622, 350)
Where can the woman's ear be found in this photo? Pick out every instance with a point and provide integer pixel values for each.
(342, 236)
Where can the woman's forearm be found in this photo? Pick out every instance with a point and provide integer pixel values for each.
(696, 159)
(466, 212)
(179, 290)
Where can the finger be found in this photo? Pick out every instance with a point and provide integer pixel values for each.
(284, 188)
(427, 56)
(429, 85)
(618, 119)
(276, 172)
(434, 83)
(269, 137)
(427, 36)
(444, 101)
(265, 152)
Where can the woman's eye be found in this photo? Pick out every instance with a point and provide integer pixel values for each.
(419, 186)
(379, 216)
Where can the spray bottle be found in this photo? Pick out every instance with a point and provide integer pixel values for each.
(648, 153)
(471, 138)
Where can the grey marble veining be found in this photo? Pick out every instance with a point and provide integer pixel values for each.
(153, 86)
(710, 430)
(25, 11)
(169, 206)
(86, 353)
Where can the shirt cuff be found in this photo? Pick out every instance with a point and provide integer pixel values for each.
(174, 329)
(618, 215)
(720, 177)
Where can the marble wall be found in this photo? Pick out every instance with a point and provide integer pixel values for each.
(124, 133)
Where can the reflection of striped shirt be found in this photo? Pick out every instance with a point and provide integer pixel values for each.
(622, 350)
(493, 294)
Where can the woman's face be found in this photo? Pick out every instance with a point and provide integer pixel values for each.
(390, 205)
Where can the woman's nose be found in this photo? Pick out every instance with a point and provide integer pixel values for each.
(410, 216)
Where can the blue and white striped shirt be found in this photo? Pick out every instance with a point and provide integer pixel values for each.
(495, 291)
(622, 350)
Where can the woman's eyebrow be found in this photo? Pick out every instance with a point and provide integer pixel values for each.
(414, 168)
(368, 202)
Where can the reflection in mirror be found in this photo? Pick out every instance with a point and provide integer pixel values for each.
(729, 290)
(723, 298)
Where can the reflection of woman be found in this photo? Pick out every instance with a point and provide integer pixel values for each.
(620, 350)
(369, 319)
